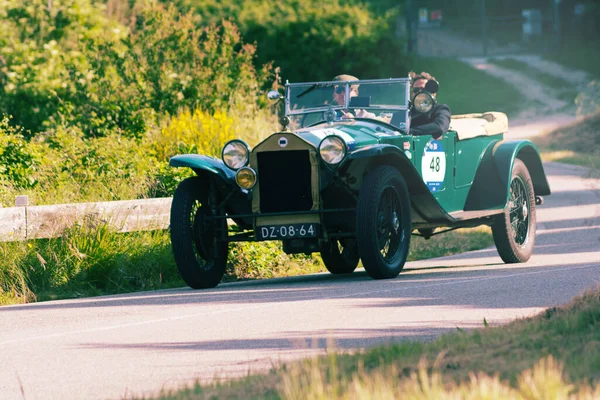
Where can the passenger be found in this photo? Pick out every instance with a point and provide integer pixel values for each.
(437, 121)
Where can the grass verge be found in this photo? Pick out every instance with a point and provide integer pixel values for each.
(555, 355)
(96, 261)
(579, 55)
(577, 143)
(468, 90)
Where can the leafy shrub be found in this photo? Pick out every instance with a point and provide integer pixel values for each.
(314, 39)
(194, 132)
(46, 53)
(73, 168)
(261, 260)
(18, 159)
(67, 64)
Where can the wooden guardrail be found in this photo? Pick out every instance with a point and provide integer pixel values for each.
(37, 222)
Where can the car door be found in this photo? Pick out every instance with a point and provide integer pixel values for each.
(434, 159)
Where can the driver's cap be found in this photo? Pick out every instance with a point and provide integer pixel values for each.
(346, 77)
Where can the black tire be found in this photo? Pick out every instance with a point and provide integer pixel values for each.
(340, 257)
(514, 230)
(201, 258)
(383, 223)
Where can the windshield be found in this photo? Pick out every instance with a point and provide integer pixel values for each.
(385, 100)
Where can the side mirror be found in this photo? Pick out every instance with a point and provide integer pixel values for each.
(273, 95)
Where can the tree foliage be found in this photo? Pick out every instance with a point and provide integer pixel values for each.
(315, 39)
(65, 63)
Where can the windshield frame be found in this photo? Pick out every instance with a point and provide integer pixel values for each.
(347, 85)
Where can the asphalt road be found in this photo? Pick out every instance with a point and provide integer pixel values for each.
(119, 346)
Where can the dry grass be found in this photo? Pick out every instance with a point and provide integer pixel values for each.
(543, 381)
(555, 355)
(581, 136)
(576, 143)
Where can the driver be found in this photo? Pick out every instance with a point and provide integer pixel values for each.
(437, 121)
(339, 97)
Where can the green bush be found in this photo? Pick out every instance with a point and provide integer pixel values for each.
(18, 159)
(262, 260)
(314, 39)
(67, 64)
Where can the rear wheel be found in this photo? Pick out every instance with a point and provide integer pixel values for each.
(383, 223)
(514, 230)
(340, 256)
(199, 253)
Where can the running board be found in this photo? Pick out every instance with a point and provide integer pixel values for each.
(467, 215)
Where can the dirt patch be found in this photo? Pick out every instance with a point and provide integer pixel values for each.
(529, 88)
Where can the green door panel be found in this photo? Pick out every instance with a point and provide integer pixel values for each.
(434, 160)
(469, 154)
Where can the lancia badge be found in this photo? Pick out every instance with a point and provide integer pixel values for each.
(283, 142)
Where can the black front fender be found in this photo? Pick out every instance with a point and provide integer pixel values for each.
(204, 165)
(237, 202)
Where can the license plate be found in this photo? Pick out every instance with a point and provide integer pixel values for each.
(289, 231)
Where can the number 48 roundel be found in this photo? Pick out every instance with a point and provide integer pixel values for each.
(433, 165)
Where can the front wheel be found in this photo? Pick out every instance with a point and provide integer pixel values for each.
(340, 256)
(514, 230)
(383, 223)
(198, 248)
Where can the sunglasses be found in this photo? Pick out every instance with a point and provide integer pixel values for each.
(418, 90)
(342, 89)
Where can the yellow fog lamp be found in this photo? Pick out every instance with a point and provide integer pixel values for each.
(235, 154)
(423, 102)
(245, 177)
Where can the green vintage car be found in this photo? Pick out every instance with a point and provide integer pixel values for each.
(356, 188)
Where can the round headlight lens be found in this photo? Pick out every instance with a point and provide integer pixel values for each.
(245, 177)
(332, 149)
(235, 154)
(423, 102)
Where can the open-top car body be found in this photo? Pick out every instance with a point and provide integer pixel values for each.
(355, 188)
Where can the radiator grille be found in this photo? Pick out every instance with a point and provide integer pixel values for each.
(284, 181)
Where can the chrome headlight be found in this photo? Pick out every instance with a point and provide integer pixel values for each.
(423, 102)
(245, 178)
(332, 149)
(235, 154)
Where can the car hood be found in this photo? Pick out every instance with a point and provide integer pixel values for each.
(356, 134)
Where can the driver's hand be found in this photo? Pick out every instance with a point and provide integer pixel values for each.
(346, 114)
(360, 113)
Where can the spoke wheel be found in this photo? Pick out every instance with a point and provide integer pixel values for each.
(200, 255)
(383, 223)
(340, 256)
(514, 230)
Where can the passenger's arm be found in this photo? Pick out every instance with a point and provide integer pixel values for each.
(439, 124)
